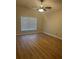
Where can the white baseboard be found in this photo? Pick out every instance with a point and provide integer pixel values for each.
(44, 33)
(52, 35)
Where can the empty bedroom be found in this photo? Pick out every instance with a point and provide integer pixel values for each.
(38, 29)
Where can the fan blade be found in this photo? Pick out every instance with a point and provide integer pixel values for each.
(45, 10)
(48, 7)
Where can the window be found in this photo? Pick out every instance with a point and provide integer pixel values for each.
(28, 23)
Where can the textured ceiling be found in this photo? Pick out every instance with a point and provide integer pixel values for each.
(55, 4)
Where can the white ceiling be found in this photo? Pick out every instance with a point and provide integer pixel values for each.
(55, 4)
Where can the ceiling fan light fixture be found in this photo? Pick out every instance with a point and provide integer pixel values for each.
(41, 10)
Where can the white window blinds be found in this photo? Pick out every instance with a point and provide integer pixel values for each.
(28, 23)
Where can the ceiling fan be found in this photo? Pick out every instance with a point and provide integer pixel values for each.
(42, 8)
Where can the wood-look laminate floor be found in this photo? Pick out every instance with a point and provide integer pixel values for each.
(38, 46)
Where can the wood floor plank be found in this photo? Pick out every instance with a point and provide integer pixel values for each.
(38, 46)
